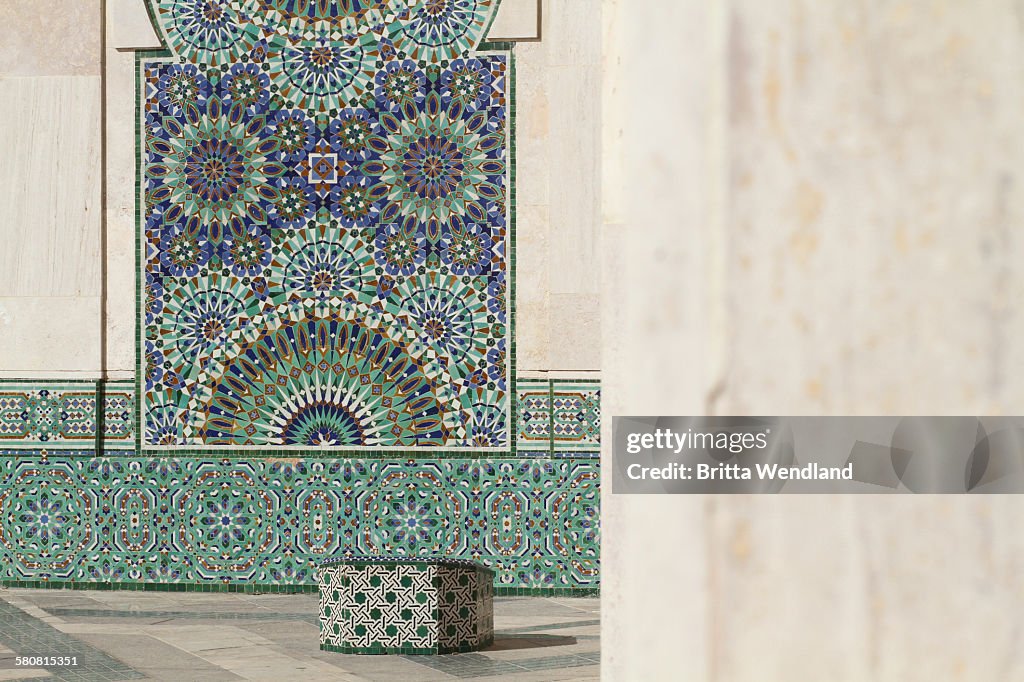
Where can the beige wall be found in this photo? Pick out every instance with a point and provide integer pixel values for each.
(817, 213)
(127, 27)
(558, 107)
(50, 149)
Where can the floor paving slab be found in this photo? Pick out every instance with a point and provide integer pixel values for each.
(212, 637)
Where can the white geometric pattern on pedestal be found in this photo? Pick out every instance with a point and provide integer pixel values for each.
(409, 606)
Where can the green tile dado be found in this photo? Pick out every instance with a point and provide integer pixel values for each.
(239, 523)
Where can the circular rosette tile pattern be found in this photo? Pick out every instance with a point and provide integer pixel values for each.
(323, 263)
(442, 30)
(449, 315)
(213, 171)
(233, 521)
(335, 19)
(201, 315)
(320, 75)
(203, 31)
(178, 88)
(353, 378)
(439, 166)
(411, 512)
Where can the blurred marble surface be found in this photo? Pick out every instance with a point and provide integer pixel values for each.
(809, 208)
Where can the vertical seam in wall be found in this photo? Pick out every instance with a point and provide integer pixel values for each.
(104, 274)
(99, 416)
(717, 331)
(713, 588)
(717, 337)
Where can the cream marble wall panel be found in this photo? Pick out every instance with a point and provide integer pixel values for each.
(573, 39)
(572, 31)
(857, 255)
(516, 20)
(49, 37)
(574, 155)
(129, 27)
(121, 199)
(653, 314)
(533, 125)
(533, 293)
(49, 336)
(558, 180)
(50, 172)
(575, 331)
(533, 178)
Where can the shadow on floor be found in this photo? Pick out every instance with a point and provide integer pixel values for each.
(527, 641)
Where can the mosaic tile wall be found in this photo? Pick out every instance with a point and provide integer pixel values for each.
(80, 516)
(325, 228)
(62, 415)
(558, 417)
(77, 517)
(326, 331)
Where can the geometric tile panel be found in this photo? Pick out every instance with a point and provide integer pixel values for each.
(216, 521)
(576, 416)
(62, 414)
(465, 606)
(533, 409)
(324, 227)
(395, 605)
(558, 417)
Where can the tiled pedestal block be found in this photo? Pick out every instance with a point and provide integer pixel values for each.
(405, 605)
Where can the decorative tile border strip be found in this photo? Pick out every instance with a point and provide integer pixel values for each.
(74, 519)
(533, 408)
(558, 417)
(575, 416)
(54, 414)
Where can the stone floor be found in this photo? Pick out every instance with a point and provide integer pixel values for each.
(120, 635)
